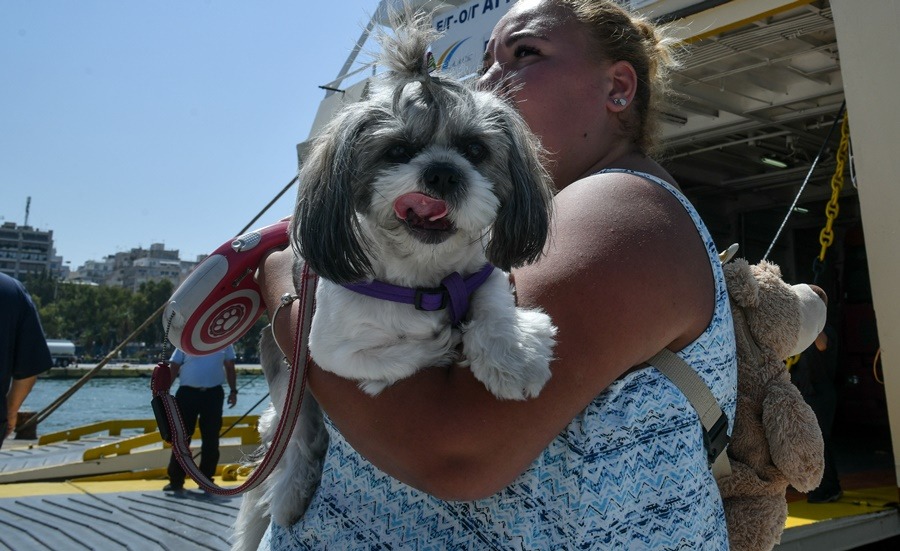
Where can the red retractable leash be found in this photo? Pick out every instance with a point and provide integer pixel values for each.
(172, 429)
(220, 301)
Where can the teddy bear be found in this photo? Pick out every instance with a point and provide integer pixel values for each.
(776, 440)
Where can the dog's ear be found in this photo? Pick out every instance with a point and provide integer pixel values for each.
(325, 230)
(523, 220)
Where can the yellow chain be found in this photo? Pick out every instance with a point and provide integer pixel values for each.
(826, 237)
(789, 363)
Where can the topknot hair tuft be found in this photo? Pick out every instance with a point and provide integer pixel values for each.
(405, 52)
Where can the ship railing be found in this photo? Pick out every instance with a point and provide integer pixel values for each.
(243, 428)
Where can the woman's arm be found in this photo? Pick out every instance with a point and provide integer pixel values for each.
(626, 275)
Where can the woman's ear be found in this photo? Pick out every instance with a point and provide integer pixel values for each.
(623, 84)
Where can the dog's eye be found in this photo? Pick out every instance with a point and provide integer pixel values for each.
(475, 151)
(400, 153)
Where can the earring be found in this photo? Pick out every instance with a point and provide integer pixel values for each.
(621, 102)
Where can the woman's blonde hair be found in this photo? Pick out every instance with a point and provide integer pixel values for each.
(621, 35)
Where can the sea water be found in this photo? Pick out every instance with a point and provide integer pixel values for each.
(104, 399)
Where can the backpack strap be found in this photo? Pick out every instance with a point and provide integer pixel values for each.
(713, 419)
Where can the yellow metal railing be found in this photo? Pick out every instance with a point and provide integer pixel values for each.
(113, 428)
(244, 428)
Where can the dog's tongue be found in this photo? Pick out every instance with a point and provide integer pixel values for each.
(423, 206)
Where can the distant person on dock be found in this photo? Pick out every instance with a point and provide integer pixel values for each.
(23, 350)
(200, 395)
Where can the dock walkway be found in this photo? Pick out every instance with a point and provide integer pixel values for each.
(88, 515)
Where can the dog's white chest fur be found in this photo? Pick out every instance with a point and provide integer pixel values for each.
(379, 342)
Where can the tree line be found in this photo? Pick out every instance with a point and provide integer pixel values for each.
(97, 318)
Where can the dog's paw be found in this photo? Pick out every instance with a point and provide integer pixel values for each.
(513, 364)
(373, 387)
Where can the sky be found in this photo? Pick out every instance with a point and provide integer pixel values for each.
(135, 122)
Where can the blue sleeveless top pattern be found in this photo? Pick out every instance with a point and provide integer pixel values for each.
(629, 472)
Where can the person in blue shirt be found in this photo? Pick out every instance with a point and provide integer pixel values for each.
(23, 350)
(200, 398)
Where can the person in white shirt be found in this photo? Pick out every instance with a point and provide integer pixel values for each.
(200, 397)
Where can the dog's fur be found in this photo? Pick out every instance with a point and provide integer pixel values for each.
(425, 178)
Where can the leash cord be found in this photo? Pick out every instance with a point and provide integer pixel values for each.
(169, 415)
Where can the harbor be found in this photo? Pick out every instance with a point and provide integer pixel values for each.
(109, 398)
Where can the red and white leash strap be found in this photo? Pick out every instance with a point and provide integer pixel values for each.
(169, 418)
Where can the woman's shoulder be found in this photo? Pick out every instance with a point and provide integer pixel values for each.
(617, 208)
(623, 243)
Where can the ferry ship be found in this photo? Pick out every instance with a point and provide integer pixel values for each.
(752, 139)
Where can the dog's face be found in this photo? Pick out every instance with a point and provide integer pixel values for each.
(425, 168)
(418, 173)
(435, 178)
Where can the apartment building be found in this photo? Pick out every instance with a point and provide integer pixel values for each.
(132, 268)
(25, 250)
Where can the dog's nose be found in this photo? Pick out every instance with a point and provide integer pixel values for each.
(441, 178)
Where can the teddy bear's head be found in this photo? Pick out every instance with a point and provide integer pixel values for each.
(783, 320)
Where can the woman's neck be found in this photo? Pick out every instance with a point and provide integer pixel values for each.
(641, 162)
(623, 155)
(628, 158)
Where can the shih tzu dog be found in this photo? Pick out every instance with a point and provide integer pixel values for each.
(413, 205)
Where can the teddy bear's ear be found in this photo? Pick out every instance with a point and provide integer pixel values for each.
(743, 287)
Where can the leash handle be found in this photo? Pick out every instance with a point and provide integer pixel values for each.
(172, 428)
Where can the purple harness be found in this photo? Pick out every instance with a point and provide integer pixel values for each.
(453, 287)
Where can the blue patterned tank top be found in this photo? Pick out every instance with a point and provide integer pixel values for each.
(629, 472)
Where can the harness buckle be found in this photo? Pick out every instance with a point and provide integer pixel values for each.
(716, 438)
(426, 292)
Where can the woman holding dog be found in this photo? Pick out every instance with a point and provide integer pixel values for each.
(610, 454)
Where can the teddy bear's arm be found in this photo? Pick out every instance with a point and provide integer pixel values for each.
(795, 440)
